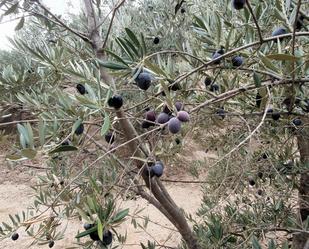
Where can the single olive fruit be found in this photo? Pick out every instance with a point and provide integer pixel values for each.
(167, 110)
(107, 238)
(217, 54)
(179, 106)
(146, 124)
(116, 101)
(260, 174)
(258, 100)
(207, 81)
(81, 89)
(158, 168)
(65, 143)
(276, 116)
(237, 61)
(51, 244)
(238, 4)
(174, 87)
(15, 236)
(183, 116)
(94, 236)
(163, 118)
(143, 81)
(279, 31)
(300, 23)
(156, 40)
(174, 125)
(79, 130)
(109, 137)
(214, 88)
(264, 155)
(270, 110)
(251, 182)
(297, 121)
(150, 116)
(221, 113)
(87, 226)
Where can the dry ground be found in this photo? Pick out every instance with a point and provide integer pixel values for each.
(16, 195)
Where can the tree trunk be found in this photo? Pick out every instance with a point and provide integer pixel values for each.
(301, 240)
(167, 206)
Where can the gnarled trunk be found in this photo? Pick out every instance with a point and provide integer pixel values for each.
(301, 240)
(162, 200)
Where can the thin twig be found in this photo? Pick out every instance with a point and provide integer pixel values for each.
(293, 53)
(255, 21)
(251, 134)
(111, 23)
(59, 21)
(234, 92)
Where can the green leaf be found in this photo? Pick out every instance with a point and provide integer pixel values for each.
(29, 153)
(155, 68)
(271, 244)
(199, 22)
(118, 58)
(23, 131)
(285, 245)
(124, 47)
(257, 79)
(106, 124)
(87, 232)
(131, 45)
(14, 157)
(87, 102)
(42, 127)
(119, 216)
(30, 135)
(218, 28)
(255, 243)
(268, 64)
(76, 125)
(6, 226)
(113, 65)
(144, 48)
(12, 9)
(282, 57)
(143, 246)
(133, 37)
(13, 220)
(20, 24)
(82, 213)
(100, 229)
(63, 148)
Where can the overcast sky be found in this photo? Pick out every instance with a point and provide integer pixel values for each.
(56, 6)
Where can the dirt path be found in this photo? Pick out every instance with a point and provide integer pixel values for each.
(14, 197)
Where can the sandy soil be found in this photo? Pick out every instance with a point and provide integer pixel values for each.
(13, 197)
(16, 194)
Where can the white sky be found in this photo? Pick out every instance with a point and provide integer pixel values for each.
(56, 6)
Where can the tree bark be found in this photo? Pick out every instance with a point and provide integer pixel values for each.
(301, 240)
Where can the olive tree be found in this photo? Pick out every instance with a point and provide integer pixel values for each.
(148, 75)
